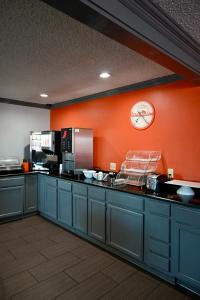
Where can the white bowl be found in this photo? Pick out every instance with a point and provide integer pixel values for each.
(88, 173)
(186, 193)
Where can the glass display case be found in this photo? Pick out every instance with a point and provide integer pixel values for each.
(137, 165)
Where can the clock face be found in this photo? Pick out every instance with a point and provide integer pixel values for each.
(142, 115)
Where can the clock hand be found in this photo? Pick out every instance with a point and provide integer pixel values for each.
(139, 113)
(137, 119)
(142, 117)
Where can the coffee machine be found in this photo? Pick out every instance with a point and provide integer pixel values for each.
(45, 151)
(77, 150)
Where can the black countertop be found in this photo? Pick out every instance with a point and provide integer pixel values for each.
(167, 192)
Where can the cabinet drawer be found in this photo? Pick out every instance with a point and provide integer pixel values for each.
(52, 181)
(158, 207)
(97, 193)
(80, 189)
(65, 185)
(11, 181)
(125, 200)
(187, 216)
(159, 248)
(158, 228)
(159, 262)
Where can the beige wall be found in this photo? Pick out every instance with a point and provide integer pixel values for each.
(16, 122)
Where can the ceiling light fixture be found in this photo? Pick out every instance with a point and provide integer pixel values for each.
(44, 95)
(104, 75)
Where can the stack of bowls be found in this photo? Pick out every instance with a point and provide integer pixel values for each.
(89, 173)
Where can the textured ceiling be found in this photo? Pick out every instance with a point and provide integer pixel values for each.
(186, 13)
(44, 50)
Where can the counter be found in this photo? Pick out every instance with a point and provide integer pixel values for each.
(167, 192)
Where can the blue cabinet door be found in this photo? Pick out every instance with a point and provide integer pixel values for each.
(186, 246)
(31, 193)
(80, 207)
(65, 202)
(124, 221)
(50, 200)
(11, 201)
(157, 235)
(125, 231)
(11, 196)
(41, 192)
(96, 213)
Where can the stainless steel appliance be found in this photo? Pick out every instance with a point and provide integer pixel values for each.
(77, 149)
(9, 165)
(153, 181)
(45, 150)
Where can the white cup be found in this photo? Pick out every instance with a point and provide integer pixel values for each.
(100, 176)
(60, 169)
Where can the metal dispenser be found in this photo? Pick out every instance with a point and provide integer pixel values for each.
(77, 149)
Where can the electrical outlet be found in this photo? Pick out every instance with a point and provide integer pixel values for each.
(113, 166)
(170, 173)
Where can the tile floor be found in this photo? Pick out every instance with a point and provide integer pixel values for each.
(39, 260)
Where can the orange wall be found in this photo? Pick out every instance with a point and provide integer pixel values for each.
(175, 130)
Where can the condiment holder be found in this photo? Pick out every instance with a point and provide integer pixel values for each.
(98, 176)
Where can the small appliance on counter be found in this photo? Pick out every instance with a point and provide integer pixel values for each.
(154, 181)
(77, 150)
(45, 150)
(10, 165)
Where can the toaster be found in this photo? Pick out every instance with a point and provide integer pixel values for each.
(153, 181)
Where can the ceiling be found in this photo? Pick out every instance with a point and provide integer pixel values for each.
(44, 50)
(186, 14)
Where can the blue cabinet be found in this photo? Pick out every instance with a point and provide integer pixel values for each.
(80, 207)
(186, 246)
(31, 193)
(50, 200)
(96, 213)
(11, 196)
(47, 196)
(162, 237)
(157, 235)
(41, 192)
(65, 202)
(125, 223)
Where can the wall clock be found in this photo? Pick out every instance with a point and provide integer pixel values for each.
(142, 115)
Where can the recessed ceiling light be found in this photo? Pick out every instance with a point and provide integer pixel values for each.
(104, 75)
(44, 95)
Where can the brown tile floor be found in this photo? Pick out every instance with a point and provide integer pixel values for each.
(39, 260)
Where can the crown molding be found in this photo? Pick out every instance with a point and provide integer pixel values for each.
(141, 26)
(24, 103)
(120, 90)
(148, 22)
(158, 19)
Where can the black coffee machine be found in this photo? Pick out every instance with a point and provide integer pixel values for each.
(45, 150)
